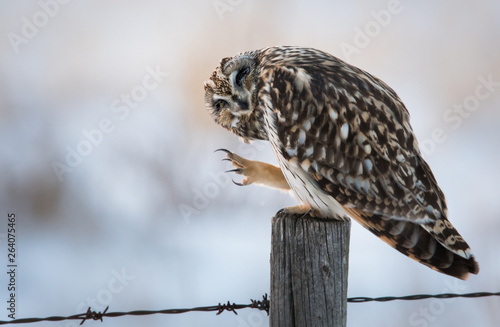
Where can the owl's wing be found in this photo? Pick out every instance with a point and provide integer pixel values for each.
(350, 132)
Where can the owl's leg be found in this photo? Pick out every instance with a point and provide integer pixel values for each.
(256, 172)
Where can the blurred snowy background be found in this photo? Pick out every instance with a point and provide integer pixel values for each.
(106, 153)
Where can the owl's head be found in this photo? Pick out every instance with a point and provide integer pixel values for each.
(230, 96)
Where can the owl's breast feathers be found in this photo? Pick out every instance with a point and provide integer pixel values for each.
(350, 132)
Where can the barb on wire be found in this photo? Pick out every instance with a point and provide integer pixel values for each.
(263, 305)
(227, 307)
(94, 315)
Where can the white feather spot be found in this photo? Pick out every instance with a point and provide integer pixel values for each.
(360, 170)
(322, 153)
(302, 137)
(357, 184)
(293, 162)
(314, 165)
(307, 125)
(301, 78)
(309, 151)
(344, 131)
(368, 165)
(291, 152)
(366, 186)
(361, 138)
(333, 114)
(305, 164)
(429, 209)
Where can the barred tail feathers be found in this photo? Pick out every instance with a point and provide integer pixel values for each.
(437, 245)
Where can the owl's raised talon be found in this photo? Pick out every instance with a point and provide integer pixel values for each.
(255, 171)
(243, 167)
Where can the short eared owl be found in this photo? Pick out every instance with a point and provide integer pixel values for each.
(344, 145)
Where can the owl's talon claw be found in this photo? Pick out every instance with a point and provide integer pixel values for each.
(237, 171)
(236, 183)
(309, 212)
(223, 150)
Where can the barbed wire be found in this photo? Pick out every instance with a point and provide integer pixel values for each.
(420, 297)
(93, 315)
(262, 305)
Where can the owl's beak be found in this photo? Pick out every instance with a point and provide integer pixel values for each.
(243, 104)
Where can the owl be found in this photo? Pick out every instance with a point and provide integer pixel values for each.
(344, 145)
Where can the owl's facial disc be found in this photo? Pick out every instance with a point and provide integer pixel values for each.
(228, 93)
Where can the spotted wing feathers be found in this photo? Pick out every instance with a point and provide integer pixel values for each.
(351, 133)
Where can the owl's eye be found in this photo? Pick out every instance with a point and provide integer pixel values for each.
(241, 75)
(219, 104)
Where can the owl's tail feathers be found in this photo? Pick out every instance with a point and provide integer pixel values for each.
(437, 245)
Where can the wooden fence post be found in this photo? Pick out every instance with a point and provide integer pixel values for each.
(309, 267)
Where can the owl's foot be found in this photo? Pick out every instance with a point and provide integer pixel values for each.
(243, 166)
(301, 209)
(256, 172)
